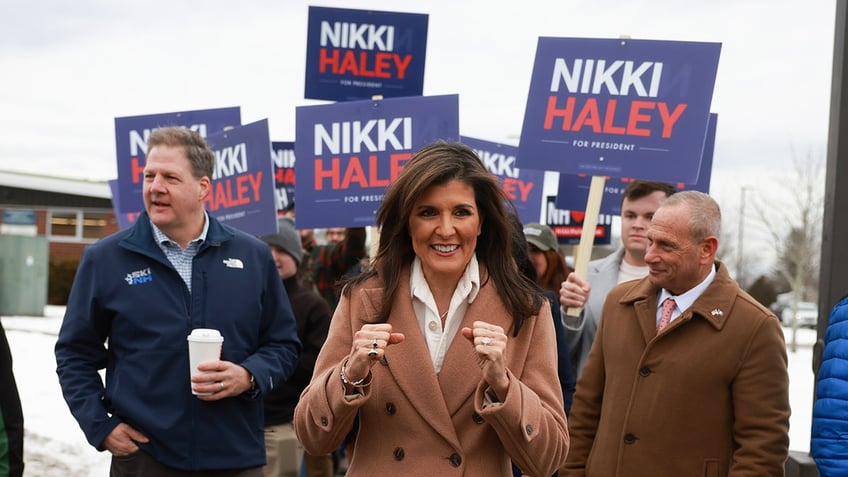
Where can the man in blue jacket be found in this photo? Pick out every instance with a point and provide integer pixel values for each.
(136, 297)
(829, 438)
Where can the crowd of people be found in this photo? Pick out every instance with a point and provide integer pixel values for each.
(464, 346)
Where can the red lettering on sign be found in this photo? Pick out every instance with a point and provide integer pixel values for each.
(234, 191)
(284, 175)
(379, 64)
(517, 189)
(608, 120)
(355, 172)
(136, 170)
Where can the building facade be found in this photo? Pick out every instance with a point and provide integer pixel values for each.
(70, 213)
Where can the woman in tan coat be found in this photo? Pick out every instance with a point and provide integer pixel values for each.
(445, 353)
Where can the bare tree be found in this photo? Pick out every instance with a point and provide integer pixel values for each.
(791, 214)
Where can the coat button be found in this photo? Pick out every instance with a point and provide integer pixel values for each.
(455, 460)
(644, 371)
(399, 453)
(324, 421)
(629, 438)
(390, 408)
(528, 429)
(478, 419)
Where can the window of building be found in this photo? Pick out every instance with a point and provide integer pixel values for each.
(76, 225)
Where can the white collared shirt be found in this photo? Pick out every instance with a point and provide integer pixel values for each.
(685, 300)
(438, 340)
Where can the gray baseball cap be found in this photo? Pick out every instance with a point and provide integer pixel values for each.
(541, 236)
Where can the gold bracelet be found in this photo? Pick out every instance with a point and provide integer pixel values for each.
(359, 383)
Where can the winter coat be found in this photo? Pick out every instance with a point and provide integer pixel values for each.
(11, 415)
(130, 312)
(414, 422)
(708, 396)
(312, 315)
(829, 438)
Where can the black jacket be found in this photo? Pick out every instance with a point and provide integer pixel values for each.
(312, 315)
(11, 414)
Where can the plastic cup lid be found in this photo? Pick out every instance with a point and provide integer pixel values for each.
(205, 334)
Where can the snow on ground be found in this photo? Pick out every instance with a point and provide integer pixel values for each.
(55, 446)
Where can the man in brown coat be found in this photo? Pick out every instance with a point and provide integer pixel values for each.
(708, 394)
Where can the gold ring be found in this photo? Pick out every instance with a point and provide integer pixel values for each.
(222, 385)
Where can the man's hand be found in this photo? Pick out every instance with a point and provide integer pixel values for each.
(123, 440)
(221, 379)
(574, 292)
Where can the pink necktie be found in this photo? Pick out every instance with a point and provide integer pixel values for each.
(667, 308)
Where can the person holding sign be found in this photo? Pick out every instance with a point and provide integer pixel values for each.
(687, 374)
(638, 204)
(136, 297)
(444, 351)
(312, 315)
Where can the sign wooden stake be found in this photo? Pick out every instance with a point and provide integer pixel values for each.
(583, 253)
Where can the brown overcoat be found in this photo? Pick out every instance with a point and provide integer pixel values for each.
(413, 422)
(708, 396)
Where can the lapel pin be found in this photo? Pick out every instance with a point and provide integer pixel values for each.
(717, 312)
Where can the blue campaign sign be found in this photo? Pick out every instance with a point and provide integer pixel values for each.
(574, 189)
(522, 187)
(125, 219)
(349, 152)
(568, 224)
(282, 154)
(132, 132)
(619, 108)
(500, 159)
(242, 194)
(356, 54)
(525, 192)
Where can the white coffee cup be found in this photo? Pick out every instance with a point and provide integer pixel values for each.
(204, 344)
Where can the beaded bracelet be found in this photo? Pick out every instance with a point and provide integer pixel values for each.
(359, 383)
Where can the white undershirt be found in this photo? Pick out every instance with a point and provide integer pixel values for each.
(628, 272)
(438, 340)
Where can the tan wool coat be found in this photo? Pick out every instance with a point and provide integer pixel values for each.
(414, 422)
(708, 396)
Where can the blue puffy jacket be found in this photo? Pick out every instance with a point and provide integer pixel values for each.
(829, 439)
(130, 312)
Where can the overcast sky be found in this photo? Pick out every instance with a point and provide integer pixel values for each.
(67, 69)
